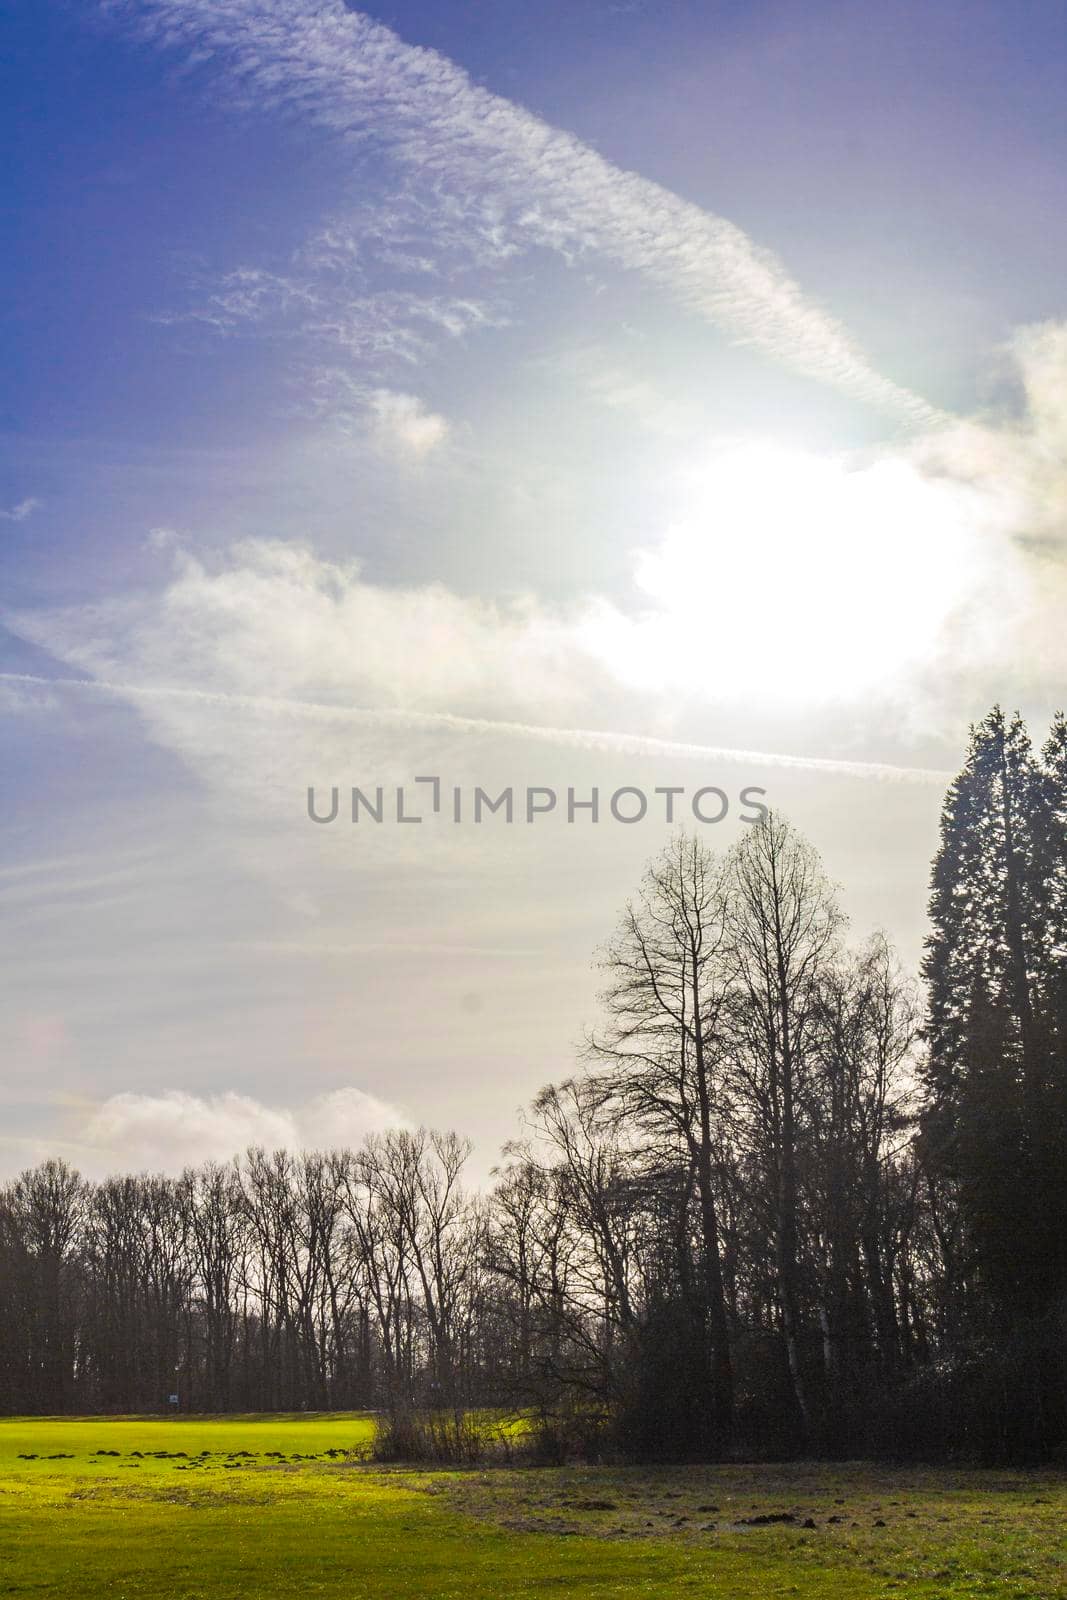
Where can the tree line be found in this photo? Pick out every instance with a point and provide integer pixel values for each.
(788, 1202)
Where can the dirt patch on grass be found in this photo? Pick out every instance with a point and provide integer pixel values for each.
(951, 1533)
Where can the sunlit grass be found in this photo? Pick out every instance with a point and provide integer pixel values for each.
(269, 1513)
(139, 1440)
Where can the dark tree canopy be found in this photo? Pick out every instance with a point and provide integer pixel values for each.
(773, 1210)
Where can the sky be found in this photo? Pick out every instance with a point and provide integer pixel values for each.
(638, 396)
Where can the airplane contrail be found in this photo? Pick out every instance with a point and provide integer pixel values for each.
(608, 740)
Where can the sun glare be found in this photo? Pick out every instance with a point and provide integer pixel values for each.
(804, 577)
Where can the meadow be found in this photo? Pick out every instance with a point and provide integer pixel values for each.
(252, 1506)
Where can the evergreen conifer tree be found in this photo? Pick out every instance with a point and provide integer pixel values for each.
(997, 1006)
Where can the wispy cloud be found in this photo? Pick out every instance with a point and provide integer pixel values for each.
(393, 324)
(26, 697)
(19, 513)
(536, 185)
(350, 335)
(454, 950)
(63, 887)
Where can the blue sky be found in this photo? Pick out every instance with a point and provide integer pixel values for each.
(688, 376)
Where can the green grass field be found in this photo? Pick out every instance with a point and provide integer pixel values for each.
(270, 1506)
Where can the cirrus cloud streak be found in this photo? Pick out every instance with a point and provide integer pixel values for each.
(534, 184)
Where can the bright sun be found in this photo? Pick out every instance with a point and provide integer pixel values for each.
(801, 578)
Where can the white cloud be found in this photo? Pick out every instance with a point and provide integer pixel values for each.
(174, 1129)
(20, 512)
(534, 183)
(403, 424)
(272, 619)
(910, 586)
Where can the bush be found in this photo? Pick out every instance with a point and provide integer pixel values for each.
(441, 1438)
(565, 1434)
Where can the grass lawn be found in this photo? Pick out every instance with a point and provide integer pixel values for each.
(270, 1511)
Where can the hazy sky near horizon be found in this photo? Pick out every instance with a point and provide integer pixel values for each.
(643, 394)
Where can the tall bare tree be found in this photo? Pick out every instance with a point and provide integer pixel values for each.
(782, 928)
(660, 1054)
